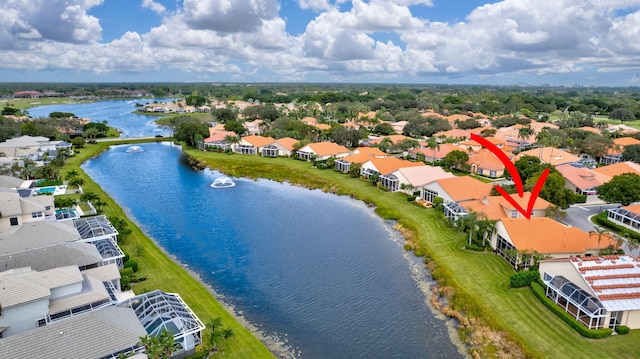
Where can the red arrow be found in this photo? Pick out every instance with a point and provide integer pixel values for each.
(515, 176)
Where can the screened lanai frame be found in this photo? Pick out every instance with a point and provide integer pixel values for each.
(94, 228)
(625, 217)
(590, 311)
(158, 310)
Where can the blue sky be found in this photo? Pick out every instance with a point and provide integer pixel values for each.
(559, 42)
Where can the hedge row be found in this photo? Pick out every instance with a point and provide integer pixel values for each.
(523, 278)
(601, 219)
(538, 291)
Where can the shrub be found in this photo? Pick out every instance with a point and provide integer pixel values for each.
(474, 247)
(126, 271)
(131, 264)
(601, 219)
(523, 278)
(622, 329)
(580, 198)
(538, 291)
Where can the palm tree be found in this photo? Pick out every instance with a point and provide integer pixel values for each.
(71, 174)
(486, 228)
(600, 232)
(525, 132)
(434, 145)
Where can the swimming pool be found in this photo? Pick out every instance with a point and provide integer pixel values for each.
(46, 190)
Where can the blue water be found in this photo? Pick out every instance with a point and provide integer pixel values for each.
(117, 113)
(318, 271)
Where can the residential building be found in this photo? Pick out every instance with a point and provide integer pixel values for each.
(322, 151)
(614, 154)
(549, 155)
(618, 169)
(283, 147)
(384, 166)
(454, 191)
(627, 216)
(497, 207)
(486, 164)
(599, 291)
(219, 139)
(408, 179)
(438, 153)
(17, 210)
(581, 179)
(252, 145)
(518, 240)
(360, 155)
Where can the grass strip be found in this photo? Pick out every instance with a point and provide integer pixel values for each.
(480, 279)
(166, 274)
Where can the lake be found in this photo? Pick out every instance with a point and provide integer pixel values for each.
(318, 272)
(117, 113)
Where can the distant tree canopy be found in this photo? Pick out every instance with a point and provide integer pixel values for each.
(195, 100)
(425, 126)
(455, 159)
(468, 124)
(191, 133)
(384, 129)
(623, 189)
(343, 136)
(622, 114)
(58, 114)
(9, 110)
(224, 114)
(554, 189)
(102, 128)
(631, 153)
(262, 112)
(235, 126)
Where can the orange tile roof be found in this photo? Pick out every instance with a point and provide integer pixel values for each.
(218, 135)
(327, 148)
(358, 158)
(444, 149)
(590, 129)
(258, 141)
(287, 142)
(465, 188)
(456, 133)
(486, 160)
(394, 139)
(550, 155)
(626, 141)
(322, 126)
(386, 165)
(309, 120)
(494, 206)
(619, 168)
(545, 235)
(582, 177)
(374, 151)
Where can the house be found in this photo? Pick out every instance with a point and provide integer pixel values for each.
(398, 126)
(383, 166)
(485, 163)
(627, 216)
(219, 139)
(34, 239)
(599, 292)
(360, 155)
(32, 299)
(395, 139)
(615, 154)
(619, 168)
(253, 127)
(436, 154)
(549, 155)
(283, 147)
(17, 210)
(104, 333)
(518, 240)
(581, 179)
(497, 207)
(410, 178)
(454, 191)
(252, 145)
(322, 151)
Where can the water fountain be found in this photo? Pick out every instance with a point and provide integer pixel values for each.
(133, 149)
(223, 182)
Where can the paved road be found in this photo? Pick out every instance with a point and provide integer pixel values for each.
(578, 215)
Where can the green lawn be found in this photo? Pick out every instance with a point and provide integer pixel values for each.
(25, 103)
(480, 279)
(634, 124)
(165, 274)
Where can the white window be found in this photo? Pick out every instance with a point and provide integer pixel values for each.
(36, 214)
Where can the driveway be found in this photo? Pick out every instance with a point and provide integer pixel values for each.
(578, 215)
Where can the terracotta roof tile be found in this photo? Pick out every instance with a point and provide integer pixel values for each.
(465, 188)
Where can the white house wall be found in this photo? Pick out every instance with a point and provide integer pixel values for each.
(567, 270)
(23, 317)
(68, 289)
(435, 187)
(632, 319)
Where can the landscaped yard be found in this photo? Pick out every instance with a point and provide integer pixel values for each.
(481, 280)
(167, 275)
